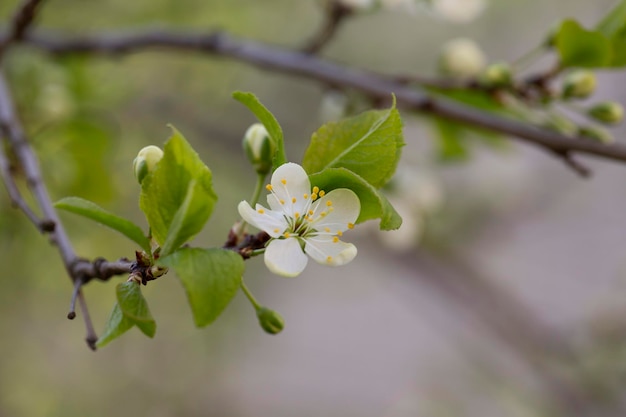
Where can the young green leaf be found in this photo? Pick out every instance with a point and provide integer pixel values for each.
(165, 190)
(116, 325)
(94, 212)
(269, 121)
(134, 307)
(368, 145)
(211, 278)
(578, 47)
(373, 204)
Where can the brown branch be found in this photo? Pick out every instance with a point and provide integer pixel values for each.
(375, 86)
(20, 23)
(79, 270)
(334, 16)
(14, 192)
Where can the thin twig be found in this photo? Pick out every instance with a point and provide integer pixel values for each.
(335, 14)
(20, 23)
(375, 86)
(14, 192)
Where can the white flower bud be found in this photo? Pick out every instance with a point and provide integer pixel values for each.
(461, 58)
(579, 84)
(146, 161)
(258, 148)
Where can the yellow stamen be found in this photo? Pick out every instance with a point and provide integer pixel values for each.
(316, 190)
(329, 259)
(261, 211)
(350, 225)
(323, 214)
(311, 212)
(327, 229)
(328, 203)
(322, 193)
(276, 230)
(286, 234)
(306, 196)
(281, 201)
(283, 181)
(268, 187)
(313, 196)
(297, 215)
(335, 239)
(339, 233)
(293, 199)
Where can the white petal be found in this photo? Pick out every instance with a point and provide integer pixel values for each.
(289, 182)
(346, 208)
(272, 223)
(326, 251)
(285, 257)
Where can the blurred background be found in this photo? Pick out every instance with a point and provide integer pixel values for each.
(504, 293)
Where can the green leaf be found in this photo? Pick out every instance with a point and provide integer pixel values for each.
(451, 146)
(269, 121)
(368, 145)
(211, 278)
(94, 212)
(179, 179)
(373, 204)
(614, 21)
(116, 325)
(578, 47)
(134, 307)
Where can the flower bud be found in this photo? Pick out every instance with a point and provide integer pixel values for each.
(461, 58)
(270, 321)
(579, 84)
(562, 125)
(146, 161)
(596, 133)
(259, 148)
(607, 112)
(497, 75)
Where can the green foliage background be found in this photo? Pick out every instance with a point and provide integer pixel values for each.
(87, 119)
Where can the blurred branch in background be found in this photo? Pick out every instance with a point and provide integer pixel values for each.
(375, 86)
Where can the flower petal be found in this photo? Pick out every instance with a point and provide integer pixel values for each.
(271, 222)
(285, 257)
(345, 210)
(290, 185)
(328, 251)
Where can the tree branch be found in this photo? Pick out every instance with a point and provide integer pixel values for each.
(79, 270)
(20, 23)
(375, 86)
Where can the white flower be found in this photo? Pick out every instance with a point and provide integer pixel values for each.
(461, 58)
(303, 221)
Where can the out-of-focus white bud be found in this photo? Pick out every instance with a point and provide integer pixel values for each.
(146, 161)
(497, 75)
(579, 84)
(458, 11)
(461, 58)
(258, 147)
(333, 106)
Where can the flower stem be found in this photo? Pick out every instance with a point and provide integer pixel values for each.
(250, 297)
(260, 181)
